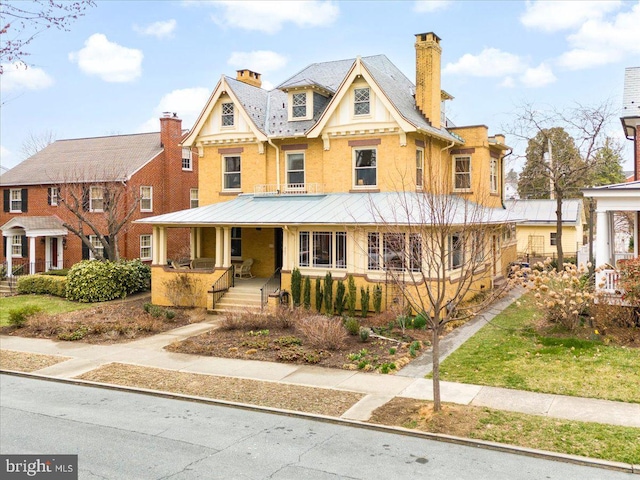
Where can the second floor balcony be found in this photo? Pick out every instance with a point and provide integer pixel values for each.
(272, 189)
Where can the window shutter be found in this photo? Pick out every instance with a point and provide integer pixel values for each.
(85, 251)
(49, 195)
(7, 202)
(4, 246)
(25, 200)
(85, 199)
(25, 247)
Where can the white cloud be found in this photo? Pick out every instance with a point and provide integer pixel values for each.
(17, 77)
(508, 82)
(552, 16)
(428, 6)
(270, 16)
(186, 102)
(261, 61)
(538, 76)
(108, 60)
(600, 42)
(491, 62)
(158, 29)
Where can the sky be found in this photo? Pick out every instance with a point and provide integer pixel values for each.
(125, 62)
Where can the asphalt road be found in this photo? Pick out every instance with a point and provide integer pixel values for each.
(119, 435)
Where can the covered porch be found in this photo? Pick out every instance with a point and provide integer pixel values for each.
(33, 244)
(623, 197)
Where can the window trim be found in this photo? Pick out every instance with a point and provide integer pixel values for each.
(297, 186)
(238, 239)
(92, 199)
(553, 239)
(192, 199)
(146, 247)
(16, 241)
(354, 168)
(225, 173)
(378, 256)
(187, 159)
(95, 242)
(53, 196)
(143, 198)
(338, 254)
(11, 200)
(455, 173)
(420, 169)
(452, 250)
(227, 115)
(493, 175)
(356, 102)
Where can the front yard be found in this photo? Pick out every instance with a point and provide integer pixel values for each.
(48, 303)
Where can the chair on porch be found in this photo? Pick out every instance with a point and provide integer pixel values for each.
(244, 270)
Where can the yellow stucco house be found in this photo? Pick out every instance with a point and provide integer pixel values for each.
(536, 232)
(321, 174)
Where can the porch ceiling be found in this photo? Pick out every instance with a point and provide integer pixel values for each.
(35, 226)
(343, 209)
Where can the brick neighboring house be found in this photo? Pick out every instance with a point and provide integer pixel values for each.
(156, 171)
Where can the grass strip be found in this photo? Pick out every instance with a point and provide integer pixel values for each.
(27, 362)
(47, 303)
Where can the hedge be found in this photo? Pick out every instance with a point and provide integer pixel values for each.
(94, 281)
(42, 284)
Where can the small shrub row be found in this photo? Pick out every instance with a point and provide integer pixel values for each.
(93, 281)
(42, 285)
(19, 316)
(156, 311)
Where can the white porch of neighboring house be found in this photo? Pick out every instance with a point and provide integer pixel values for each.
(48, 229)
(623, 197)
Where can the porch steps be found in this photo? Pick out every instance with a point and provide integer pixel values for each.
(5, 289)
(238, 299)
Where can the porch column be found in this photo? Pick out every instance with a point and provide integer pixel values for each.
(60, 250)
(32, 255)
(47, 253)
(199, 241)
(218, 247)
(226, 258)
(603, 239)
(9, 255)
(155, 249)
(636, 234)
(193, 243)
(162, 245)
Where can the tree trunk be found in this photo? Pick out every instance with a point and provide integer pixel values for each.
(559, 232)
(435, 355)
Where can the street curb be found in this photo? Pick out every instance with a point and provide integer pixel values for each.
(499, 447)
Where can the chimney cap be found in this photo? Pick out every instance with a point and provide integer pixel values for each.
(169, 115)
(423, 37)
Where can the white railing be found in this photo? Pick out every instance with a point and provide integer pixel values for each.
(623, 256)
(609, 281)
(272, 189)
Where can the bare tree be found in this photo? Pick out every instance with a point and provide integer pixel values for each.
(562, 153)
(439, 251)
(34, 142)
(21, 22)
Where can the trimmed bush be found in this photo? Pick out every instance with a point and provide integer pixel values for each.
(18, 316)
(377, 298)
(93, 281)
(296, 287)
(328, 294)
(351, 299)
(364, 301)
(62, 272)
(340, 298)
(319, 295)
(42, 285)
(307, 293)
(352, 325)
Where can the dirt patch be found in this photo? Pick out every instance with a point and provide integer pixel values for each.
(112, 322)
(27, 362)
(267, 394)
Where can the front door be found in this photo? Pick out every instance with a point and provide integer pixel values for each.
(277, 243)
(54, 253)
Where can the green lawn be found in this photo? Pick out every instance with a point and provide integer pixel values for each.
(47, 303)
(508, 353)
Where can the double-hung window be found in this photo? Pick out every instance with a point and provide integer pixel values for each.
(323, 249)
(52, 196)
(146, 199)
(419, 168)
(16, 200)
(394, 251)
(462, 173)
(361, 101)
(97, 245)
(493, 175)
(236, 242)
(365, 167)
(193, 198)
(231, 165)
(295, 171)
(187, 163)
(456, 251)
(299, 105)
(553, 238)
(16, 246)
(227, 115)
(96, 199)
(145, 247)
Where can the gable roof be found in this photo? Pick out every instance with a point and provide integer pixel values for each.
(543, 212)
(96, 159)
(35, 226)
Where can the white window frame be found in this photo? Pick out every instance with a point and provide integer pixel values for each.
(337, 255)
(194, 197)
(54, 196)
(357, 103)
(187, 159)
(97, 244)
(456, 251)
(419, 168)
(294, 98)
(96, 199)
(493, 175)
(381, 256)
(355, 168)
(15, 195)
(227, 110)
(16, 246)
(144, 198)
(225, 173)
(146, 247)
(297, 186)
(460, 174)
(553, 239)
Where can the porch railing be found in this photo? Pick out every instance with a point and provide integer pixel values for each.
(623, 256)
(272, 189)
(23, 267)
(610, 280)
(222, 285)
(271, 286)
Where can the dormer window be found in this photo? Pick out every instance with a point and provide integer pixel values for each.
(299, 105)
(227, 115)
(361, 101)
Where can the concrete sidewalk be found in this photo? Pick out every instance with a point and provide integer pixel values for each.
(378, 389)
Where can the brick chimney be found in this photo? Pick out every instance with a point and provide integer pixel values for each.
(428, 53)
(249, 77)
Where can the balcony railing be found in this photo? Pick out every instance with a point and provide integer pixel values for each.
(272, 189)
(609, 281)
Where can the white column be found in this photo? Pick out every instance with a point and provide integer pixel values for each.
(287, 249)
(155, 248)
(199, 242)
(193, 247)
(60, 260)
(32, 255)
(226, 257)
(636, 233)
(162, 253)
(9, 255)
(47, 253)
(218, 247)
(602, 243)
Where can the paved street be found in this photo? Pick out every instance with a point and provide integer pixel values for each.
(124, 435)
